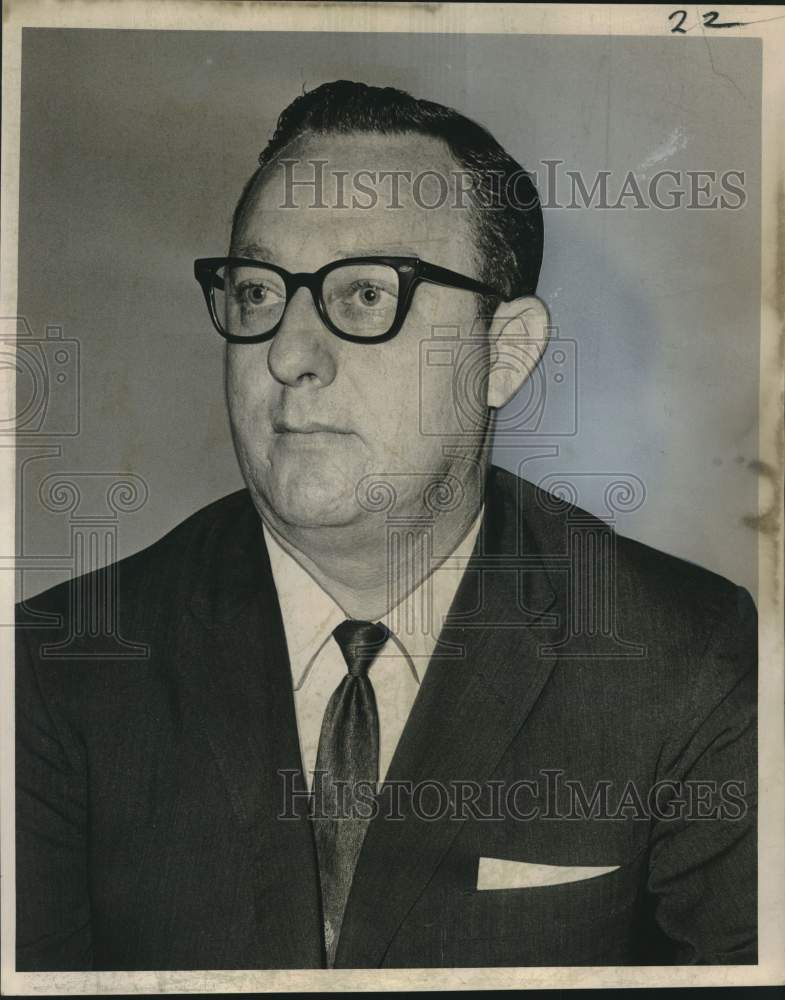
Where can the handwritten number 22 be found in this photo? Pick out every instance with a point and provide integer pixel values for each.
(710, 20)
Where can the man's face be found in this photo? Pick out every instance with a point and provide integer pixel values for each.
(313, 415)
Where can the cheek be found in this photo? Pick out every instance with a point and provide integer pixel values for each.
(450, 380)
(388, 393)
(407, 411)
(247, 380)
(470, 384)
(453, 389)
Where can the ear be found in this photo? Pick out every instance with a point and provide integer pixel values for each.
(518, 335)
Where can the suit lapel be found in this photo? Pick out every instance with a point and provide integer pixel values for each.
(467, 712)
(234, 667)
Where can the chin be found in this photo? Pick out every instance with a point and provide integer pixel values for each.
(305, 495)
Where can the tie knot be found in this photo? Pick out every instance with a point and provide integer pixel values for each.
(360, 643)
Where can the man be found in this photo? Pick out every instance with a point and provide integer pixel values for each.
(383, 606)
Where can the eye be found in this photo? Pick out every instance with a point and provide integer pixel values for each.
(370, 294)
(255, 294)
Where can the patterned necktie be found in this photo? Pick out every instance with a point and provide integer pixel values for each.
(348, 754)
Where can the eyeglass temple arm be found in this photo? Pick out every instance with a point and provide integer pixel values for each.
(444, 276)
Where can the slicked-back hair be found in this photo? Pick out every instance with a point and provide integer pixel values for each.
(503, 203)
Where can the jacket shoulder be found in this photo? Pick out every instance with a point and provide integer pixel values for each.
(640, 569)
(694, 630)
(146, 572)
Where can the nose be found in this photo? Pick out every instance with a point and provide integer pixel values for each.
(303, 350)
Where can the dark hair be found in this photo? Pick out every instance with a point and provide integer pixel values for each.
(509, 231)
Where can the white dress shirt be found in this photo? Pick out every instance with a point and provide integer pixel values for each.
(317, 663)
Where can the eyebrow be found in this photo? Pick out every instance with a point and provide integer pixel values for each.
(253, 250)
(258, 251)
(392, 250)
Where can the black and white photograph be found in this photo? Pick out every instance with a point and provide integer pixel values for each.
(394, 512)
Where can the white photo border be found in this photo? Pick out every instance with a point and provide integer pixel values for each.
(647, 20)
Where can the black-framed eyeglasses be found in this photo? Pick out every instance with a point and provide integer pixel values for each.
(361, 299)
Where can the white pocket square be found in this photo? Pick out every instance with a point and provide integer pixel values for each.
(496, 873)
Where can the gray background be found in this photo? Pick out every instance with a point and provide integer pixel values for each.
(135, 145)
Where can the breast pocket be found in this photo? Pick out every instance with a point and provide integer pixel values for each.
(534, 913)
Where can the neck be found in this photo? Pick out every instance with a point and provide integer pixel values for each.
(367, 570)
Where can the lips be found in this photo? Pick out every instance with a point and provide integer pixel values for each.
(307, 427)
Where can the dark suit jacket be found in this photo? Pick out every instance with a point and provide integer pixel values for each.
(149, 786)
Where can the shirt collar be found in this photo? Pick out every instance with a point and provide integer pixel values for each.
(310, 614)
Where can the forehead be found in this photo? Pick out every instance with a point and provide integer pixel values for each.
(327, 196)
